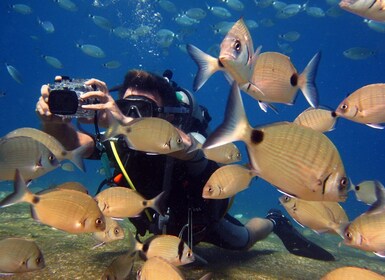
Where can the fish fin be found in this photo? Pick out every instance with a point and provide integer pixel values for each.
(340, 230)
(375, 125)
(265, 105)
(158, 203)
(380, 254)
(34, 215)
(77, 156)
(229, 78)
(98, 245)
(20, 193)
(251, 89)
(378, 205)
(207, 65)
(235, 124)
(255, 56)
(308, 86)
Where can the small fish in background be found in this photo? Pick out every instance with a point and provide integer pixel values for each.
(219, 11)
(14, 73)
(112, 64)
(164, 38)
(196, 13)
(251, 24)
(316, 12)
(352, 273)
(319, 119)
(366, 232)
(67, 210)
(67, 166)
(185, 20)
(67, 5)
(375, 25)
(120, 268)
(236, 5)
(289, 11)
(168, 6)
(20, 255)
(101, 22)
(227, 181)
(366, 105)
(122, 202)
(288, 156)
(91, 50)
(112, 232)
(358, 53)
(320, 216)
(31, 157)
(366, 191)
(21, 9)
(374, 9)
(334, 11)
(46, 25)
(290, 36)
(53, 61)
(3, 93)
(52, 144)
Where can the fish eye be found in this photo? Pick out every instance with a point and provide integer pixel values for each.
(98, 221)
(237, 45)
(344, 107)
(343, 183)
(211, 189)
(51, 158)
(287, 198)
(38, 260)
(179, 140)
(349, 235)
(116, 231)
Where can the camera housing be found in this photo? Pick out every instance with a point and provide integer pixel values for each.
(65, 98)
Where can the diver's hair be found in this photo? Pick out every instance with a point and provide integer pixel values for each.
(149, 82)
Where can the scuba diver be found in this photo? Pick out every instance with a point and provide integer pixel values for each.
(182, 177)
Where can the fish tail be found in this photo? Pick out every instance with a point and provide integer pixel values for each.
(76, 156)
(207, 65)
(307, 80)
(157, 203)
(235, 126)
(20, 194)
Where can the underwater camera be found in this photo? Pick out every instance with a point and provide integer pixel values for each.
(65, 98)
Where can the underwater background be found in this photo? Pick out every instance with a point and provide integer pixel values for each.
(25, 40)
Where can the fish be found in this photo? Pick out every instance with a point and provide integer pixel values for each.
(196, 13)
(276, 77)
(218, 11)
(21, 9)
(122, 202)
(352, 273)
(112, 232)
(164, 38)
(227, 181)
(91, 50)
(156, 268)
(67, 5)
(236, 5)
(20, 255)
(367, 230)
(14, 73)
(53, 61)
(53, 145)
(316, 12)
(319, 119)
(358, 53)
(46, 25)
(31, 157)
(320, 216)
(290, 36)
(151, 135)
(366, 191)
(375, 25)
(366, 105)
(101, 22)
(68, 210)
(112, 64)
(169, 247)
(120, 268)
(236, 57)
(370, 9)
(297, 160)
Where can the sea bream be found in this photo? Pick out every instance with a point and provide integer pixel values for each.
(67, 210)
(299, 161)
(365, 105)
(371, 9)
(236, 57)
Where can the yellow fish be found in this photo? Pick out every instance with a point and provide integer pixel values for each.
(112, 232)
(352, 273)
(320, 216)
(122, 202)
(67, 210)
(373, 9)
(278, 81)
(320, 119)
(227, 181)
(298, 160)
(20, 255)
(365, 105)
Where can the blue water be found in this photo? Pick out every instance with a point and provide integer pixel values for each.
(23, 41)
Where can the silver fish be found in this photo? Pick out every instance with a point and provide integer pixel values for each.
(91, 50)
(14, 73)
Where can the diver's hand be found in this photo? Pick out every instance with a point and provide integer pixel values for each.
(107, 103)
(42, 108)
